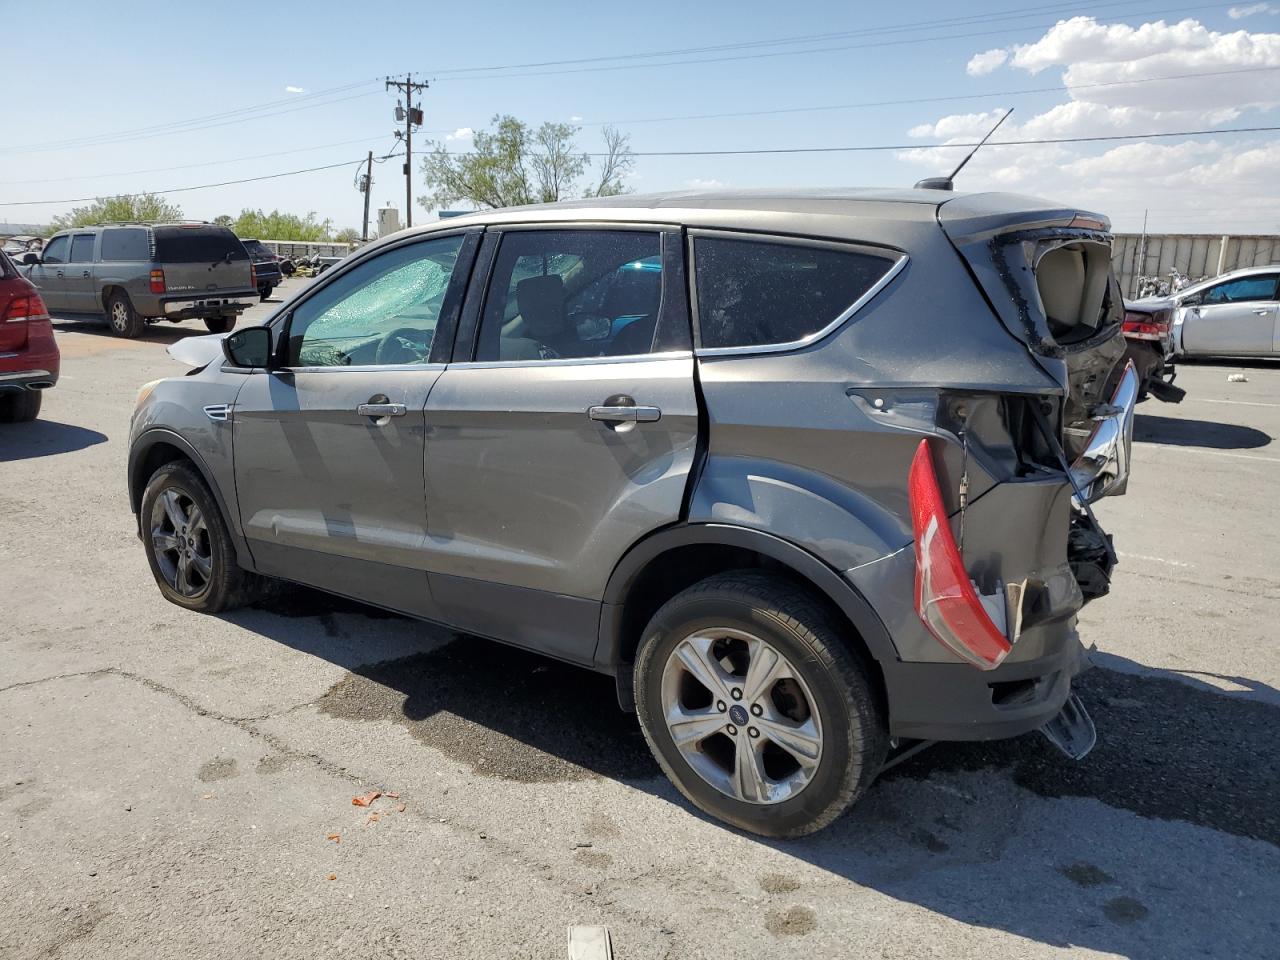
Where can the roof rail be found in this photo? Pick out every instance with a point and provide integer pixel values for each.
(143, 223)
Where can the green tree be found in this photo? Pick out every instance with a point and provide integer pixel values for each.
(513, 164)
(347, 235)
(281, 226)
(138, 206)
(225, 220)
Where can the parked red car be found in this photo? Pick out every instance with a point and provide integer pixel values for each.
(29, 357)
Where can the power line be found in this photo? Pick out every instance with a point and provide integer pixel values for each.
(700, 153)
(922, 100)
(792, 53)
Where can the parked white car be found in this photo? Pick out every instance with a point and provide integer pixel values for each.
(1234, 315)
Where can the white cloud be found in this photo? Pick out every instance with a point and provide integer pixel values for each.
(1239, 13)
(1192, 178)
(294, 90)
(575, 119)
(462, 133)
(981, 63)
(698, 183)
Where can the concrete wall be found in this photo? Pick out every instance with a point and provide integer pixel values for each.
(1193, 254)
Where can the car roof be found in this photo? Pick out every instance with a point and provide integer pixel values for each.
(1234, 275)
(839, 208)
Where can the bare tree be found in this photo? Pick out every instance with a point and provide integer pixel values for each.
(555, 165)
(616, 163)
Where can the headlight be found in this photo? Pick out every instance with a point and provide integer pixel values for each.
(144, 391)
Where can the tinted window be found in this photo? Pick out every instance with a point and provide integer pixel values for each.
(572, 293)
(752, 293)
(82, 248)
(56, 251)
(257, 249)
(1261, 287)
(383, 311)
(125, 243)
(197, 244)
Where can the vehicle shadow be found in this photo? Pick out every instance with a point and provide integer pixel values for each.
(935, 831)
(44, 438)
(1196, 433)
(1253, 363)
(165, 333)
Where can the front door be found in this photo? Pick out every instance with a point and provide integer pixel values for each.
(1233, 318)
(566, 435)
(329, 447)
(50, 274)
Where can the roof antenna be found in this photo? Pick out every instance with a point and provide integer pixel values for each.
(948, 182)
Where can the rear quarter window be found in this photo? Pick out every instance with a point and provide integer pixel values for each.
(762, 293)
(125, 244)
(199, 244)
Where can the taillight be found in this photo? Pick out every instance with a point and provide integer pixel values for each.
(946, 600)
(253, 276)
(26, 307)
(157, 281)
(1146, 326)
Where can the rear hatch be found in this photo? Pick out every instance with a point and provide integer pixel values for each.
(202, 258)
(1046, 271)
(264, 261)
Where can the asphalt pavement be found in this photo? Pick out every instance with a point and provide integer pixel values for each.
(178, 785)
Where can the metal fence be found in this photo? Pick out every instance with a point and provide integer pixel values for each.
(1194, 255)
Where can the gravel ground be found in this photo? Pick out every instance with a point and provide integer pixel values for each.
(173, 785)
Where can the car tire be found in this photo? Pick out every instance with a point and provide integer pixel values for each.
(122, 318)
(188, 545)
(221, 324)
(825, 704)
(264, 291)
(20, 407)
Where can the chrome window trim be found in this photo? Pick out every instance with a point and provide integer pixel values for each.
(897, 267)
(362, 368)
(571, 361)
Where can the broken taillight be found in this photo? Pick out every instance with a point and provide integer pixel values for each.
(1146, 326)
(947, 601)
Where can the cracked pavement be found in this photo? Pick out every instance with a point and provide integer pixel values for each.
(169, 782)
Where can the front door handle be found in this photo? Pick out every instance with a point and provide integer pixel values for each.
(381, 409)
(58, 273)
(1262, 311)
(621, 414)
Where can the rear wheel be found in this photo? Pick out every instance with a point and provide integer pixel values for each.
(20, 407)
(122, 317)
(264, 291)
(188, 546)
(754, 706)
(220, 324)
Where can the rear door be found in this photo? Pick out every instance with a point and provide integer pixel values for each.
(81, 297)
(1235, 317)
(329, 448)
(50, 274)
(564, 431)
(201, 258)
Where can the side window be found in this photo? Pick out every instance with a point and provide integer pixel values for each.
(125, 244)
(755, 293)
(56, 251)
(1261, 287)
(572, 293)
(383, 311)
(82, 248)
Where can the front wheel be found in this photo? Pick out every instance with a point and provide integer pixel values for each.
(188, 545)
(755, 707)
(220, 324)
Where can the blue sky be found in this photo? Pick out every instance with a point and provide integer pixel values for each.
(81, 70)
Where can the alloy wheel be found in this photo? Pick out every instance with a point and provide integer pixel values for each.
(180, 542)
(120, 315)
(741, 715)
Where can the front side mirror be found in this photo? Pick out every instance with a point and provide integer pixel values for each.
(29, 258)
(250, 347)
(1191, 301)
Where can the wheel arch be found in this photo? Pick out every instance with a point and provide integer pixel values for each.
(661, 565)
(158, 446)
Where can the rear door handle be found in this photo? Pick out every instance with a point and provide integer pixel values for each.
(620, 414)
(381, 409)
(86, 274)
(1262, 311)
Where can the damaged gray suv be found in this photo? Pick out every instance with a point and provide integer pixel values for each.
(808, 473)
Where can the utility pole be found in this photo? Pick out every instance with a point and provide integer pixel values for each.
(412, 116)
(366, 186)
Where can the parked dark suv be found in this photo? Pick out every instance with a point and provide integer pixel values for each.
(136, 273)
(808, 473)
(266, 266)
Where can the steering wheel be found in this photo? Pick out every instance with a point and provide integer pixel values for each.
(404, 345)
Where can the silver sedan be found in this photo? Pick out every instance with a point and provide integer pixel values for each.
(1234, 315)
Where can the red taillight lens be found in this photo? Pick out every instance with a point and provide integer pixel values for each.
(946, 600)
(253, 276)
(27, 307)
(1145, 326)
(157, 281)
